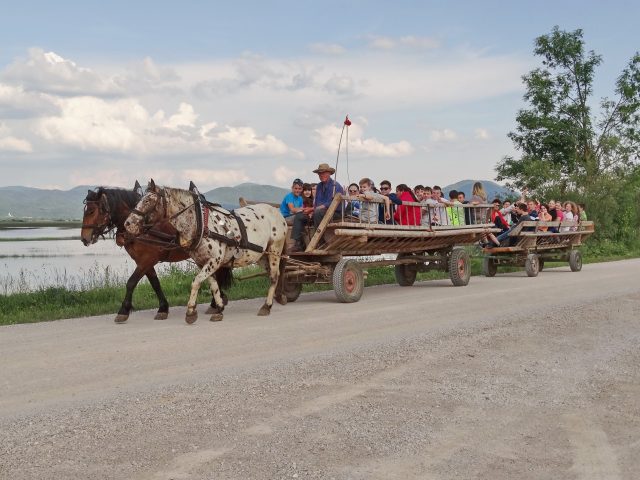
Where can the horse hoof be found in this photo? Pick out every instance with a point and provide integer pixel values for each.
(161, 316)
(282, 299)
(216, 317)
(264, 311)
(191, 317)
(121, 318)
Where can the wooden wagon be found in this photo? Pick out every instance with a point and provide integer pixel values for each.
(536, 242)
(342, 248)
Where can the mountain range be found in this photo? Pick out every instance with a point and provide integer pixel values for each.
(25, 202)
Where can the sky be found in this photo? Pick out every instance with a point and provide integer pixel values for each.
(221, 93)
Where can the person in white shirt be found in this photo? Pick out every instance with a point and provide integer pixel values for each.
(369, 209)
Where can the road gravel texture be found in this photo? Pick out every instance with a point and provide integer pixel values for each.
(508, 378)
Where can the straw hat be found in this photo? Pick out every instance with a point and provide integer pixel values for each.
(324, 167)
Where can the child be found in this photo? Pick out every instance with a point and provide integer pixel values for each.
(368, 209)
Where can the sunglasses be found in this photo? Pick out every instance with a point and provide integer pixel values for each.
(385, 188)
(351, 190)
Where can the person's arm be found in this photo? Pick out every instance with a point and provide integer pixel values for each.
(387, 208)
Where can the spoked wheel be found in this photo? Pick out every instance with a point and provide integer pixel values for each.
(405, 274)
(288, 292)
(459, 267)
(348, 281)
(575, 261)
(540, 264)
(532, 265)
(489, 267)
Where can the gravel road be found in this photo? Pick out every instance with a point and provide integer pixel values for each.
(508, 378)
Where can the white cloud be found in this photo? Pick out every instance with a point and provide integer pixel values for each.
(329, 135)
(9, 143)
(444, 135)
(15, 102)
(327, 48)
(49, 72)
(481, 134)
(340, 85)
(110, 176)
(284, 175)
(382, 43)
(217, 178)
(411, 41)
(90, 123)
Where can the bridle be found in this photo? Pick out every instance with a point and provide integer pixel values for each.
(163, 218)
(99, 229)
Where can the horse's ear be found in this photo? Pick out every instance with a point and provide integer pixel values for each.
(137, 188)
(152, 185)
(192, 186)
(104, 201)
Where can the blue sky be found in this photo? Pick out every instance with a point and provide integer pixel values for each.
(226, 92)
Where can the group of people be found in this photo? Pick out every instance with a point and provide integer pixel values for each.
(422, 205)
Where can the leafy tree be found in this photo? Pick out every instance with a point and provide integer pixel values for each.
(568, 144)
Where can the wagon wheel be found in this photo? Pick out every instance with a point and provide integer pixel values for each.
(489, 267)
(575, 260)
(406, 274)
(459, 268)
(348, 281)
(532, 265)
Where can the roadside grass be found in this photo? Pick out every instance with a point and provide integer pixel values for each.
(55, 303)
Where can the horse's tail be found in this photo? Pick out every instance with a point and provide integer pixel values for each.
(224, 277)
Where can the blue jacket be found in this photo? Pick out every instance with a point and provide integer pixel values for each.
(324, 194)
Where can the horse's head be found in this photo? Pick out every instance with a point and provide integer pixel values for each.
(149, 210)
(96, 220)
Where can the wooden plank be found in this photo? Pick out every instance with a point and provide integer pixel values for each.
(502, 249)
(328, 216)
(343, 232)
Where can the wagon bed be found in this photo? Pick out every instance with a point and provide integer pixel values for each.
(341, 249)
(532, 247)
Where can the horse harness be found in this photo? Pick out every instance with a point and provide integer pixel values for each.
(203, 209)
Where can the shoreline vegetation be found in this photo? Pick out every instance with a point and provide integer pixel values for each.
(105, 295)
(27, 223)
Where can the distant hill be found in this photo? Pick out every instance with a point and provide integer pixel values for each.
(25, 202)
(250, 191)
(493, 189)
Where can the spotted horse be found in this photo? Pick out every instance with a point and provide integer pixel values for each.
(215, 238)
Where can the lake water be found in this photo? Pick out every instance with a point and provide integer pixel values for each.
(64, 262)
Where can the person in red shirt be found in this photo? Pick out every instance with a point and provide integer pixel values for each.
(407, 214)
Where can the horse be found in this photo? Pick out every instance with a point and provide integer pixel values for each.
(106, 209)
(216, 238)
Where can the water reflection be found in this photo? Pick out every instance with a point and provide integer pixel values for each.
(30, 265)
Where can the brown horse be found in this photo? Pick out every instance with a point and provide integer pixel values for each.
(106, 209)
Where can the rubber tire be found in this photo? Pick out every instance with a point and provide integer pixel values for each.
(489, 267)
(532, 265)
(405, 274)
(575, 260)
(348, 281)
(540, 264)
(459, 267)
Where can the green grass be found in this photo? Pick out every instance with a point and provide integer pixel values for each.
(55, 303)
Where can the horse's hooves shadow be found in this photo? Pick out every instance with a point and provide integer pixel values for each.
(264, 311)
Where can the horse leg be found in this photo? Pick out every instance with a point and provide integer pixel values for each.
(216, 311)
(192, 313)
(163, 308)
(125, 308)
(272, 265)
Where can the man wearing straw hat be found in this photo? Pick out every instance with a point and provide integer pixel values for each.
(326, 190)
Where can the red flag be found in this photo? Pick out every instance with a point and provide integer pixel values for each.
(347, 122)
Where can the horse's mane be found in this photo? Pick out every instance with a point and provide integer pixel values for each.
(117, 196)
